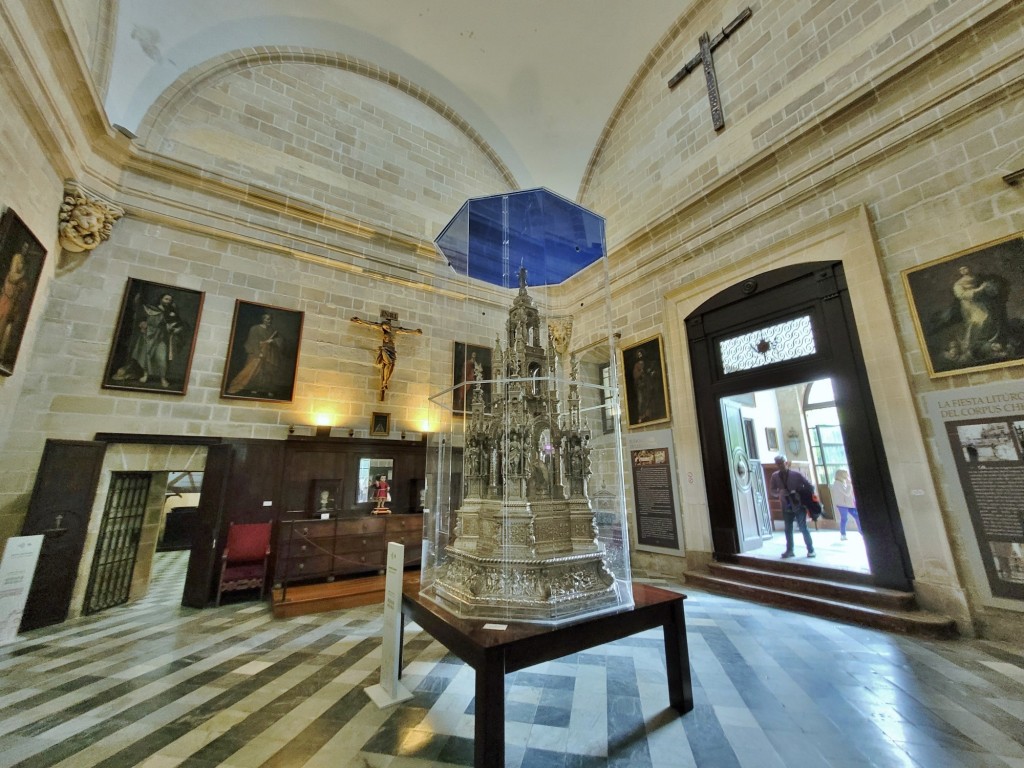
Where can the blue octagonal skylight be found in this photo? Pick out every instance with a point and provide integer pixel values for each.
(491, 238)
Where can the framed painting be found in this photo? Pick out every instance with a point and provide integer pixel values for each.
(154, 338)
(263, 353)
(646, 386)
(771, 438)
(380, 424)
(21, 266)
(466, 360)
(325, 497)
(968, 308)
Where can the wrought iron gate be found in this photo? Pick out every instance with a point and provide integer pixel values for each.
(110, 579)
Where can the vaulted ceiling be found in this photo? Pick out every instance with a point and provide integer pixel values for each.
(537, 79)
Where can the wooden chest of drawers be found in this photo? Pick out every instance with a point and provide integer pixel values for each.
(323, 549)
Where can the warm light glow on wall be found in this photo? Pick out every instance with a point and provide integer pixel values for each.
(425, 423)
(323, 419)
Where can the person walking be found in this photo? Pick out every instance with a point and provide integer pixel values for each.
(790, 486)
(844, 500)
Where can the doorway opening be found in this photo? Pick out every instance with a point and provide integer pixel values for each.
(801, 422)
(146, 530)
(178, 517)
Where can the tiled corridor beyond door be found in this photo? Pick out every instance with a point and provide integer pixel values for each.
(157, 685)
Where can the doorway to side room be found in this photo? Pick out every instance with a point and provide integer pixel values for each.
(759, 352)
(146, 530)
(801, 422)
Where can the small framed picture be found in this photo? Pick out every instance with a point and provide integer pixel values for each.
(325, 496)
(968, 308)
(771, 438)
(380, 425)
(263, 353)
(21, 265)
(467, 359)
(154, 338)
(646, 386)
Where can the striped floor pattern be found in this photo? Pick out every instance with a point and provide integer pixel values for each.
(157, 685)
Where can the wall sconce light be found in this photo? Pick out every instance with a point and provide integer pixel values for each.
(323, 423)
(793, 442)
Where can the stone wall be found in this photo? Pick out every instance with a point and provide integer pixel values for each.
(910, 113)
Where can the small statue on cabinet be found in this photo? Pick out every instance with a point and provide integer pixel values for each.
(324, 505)
(382, 495)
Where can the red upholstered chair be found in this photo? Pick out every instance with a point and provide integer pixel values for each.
(246, 555)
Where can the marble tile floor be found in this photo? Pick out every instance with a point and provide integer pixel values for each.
(157, 685)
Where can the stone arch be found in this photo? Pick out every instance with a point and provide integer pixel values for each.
(162, 112)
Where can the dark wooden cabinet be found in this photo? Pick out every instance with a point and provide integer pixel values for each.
(309, 550)
(406, 530)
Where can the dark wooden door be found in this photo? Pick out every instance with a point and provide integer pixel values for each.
(60, 508)
(759, 312)
(203, 567)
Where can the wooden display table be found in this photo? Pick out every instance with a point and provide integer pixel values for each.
(493, 653)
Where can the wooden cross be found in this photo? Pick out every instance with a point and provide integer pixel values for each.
(707, 45)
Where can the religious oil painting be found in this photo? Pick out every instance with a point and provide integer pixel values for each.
(154, 338)
(263, 353)
(646, 388)
(468, 359)
(21, 265)
(968, 308)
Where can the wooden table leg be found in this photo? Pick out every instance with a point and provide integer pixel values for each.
(489, 745)
(677, 659)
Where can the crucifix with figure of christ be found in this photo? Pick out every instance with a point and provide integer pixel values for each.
(387, 355)
(707, 45)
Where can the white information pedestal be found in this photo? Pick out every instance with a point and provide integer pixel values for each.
(16, 571)
(390, 691)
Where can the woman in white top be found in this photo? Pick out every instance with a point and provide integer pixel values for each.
(844, 500)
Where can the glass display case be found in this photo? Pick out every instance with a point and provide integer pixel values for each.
(524, 514)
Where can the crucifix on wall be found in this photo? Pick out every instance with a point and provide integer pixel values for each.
(707, 45)
(387, 354)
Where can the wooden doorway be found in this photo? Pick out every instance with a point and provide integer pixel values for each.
(787, 326)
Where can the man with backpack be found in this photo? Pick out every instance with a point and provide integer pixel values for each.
(791, 488)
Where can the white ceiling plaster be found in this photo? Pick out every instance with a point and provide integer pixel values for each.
(537, 79)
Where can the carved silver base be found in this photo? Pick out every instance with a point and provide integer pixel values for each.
(543, 590)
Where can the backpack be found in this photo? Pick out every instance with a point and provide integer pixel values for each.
(811, 503)
(814, 507)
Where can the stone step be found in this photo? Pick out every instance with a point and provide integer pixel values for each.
(828, 583)
(801, 566)
(914, 622)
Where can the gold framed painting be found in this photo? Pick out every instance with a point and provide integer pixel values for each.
(263, 353)
(643, 364)
(154, 338)
(968, 308)
(21, 265)
(380, 424)
(466, 359)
